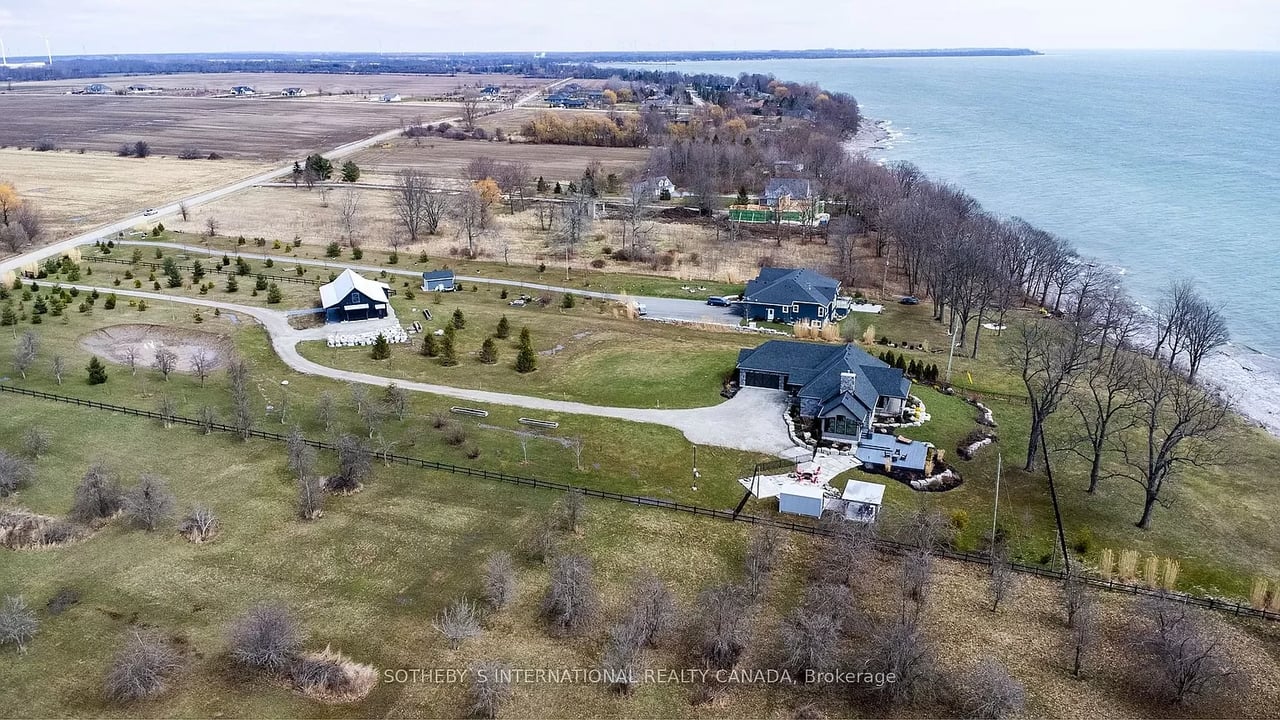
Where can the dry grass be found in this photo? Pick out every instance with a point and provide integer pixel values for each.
(285, 213)
(256, 128)
(78, 192)
(448, 158)
(202, 83)
(346, 681)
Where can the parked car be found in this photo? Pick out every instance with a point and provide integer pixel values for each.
(150, 211)
(518, 302)
(910, 300)
(717, 301)
(641, 309)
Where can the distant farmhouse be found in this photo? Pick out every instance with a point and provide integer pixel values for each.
(390, 98)
(490, 90)
(438, 281)
(97, 89)
(353, 297)
(654, 187)
(788, 295)
(293, 92)
(243, 90)
(841, 386)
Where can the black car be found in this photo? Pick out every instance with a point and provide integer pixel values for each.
(910, 300)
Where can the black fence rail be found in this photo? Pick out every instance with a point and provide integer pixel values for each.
(214, 267)
(884, 544)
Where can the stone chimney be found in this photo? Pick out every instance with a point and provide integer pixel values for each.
(847, 381)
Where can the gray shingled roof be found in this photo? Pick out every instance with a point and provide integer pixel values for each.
(816, 369)
(784, 286)
(794, 187)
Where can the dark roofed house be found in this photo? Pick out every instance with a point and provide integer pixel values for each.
(793, 189)
(242, 90)
(841, 388)
(787, 295)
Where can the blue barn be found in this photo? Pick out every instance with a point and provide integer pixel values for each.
(353, 297)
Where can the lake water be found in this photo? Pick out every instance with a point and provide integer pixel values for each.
(1166, 164)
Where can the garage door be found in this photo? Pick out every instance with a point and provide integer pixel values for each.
(763, 379)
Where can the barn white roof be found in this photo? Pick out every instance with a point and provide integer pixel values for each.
(334, 292)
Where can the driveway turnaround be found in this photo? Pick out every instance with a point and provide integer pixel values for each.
(751, 421)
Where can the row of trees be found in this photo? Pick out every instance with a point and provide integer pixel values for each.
(595, 130)
(20, 220)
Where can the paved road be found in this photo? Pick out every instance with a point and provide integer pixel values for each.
(751, 421)
(696, 310)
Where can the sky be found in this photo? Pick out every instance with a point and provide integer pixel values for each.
(159, 26)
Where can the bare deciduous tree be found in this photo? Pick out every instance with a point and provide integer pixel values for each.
(651, 610)
(202, 363)
(165, 361)
(723, 625)
(24, 355)
(301, 457)
(326, 411)
(14, 473)
(184, 210)
(470, 108)
(470, 212)
(1002, 581)
(149, 503)
(419, 206)
(1189, 660)
(310, 497)
(1104, 404)
(1081, 619)
(238, 376)
(459, 621)
(571, 603)
(489, 688)
(266, 638)
(141, 668)
(167, 407)
(354, 464)
(1171, 313)
(349, 215)
(499, 580)
(97, 496)
(1049, 356)
(810, 640)
(211, 226)
(396, 400)
(572, 507)
(208, 417)
(990, 692)
(59, 366)
(1203, 330)
(131, 358)
(199, 525)
(901, 650)
(18, 623)
(1175, 428)
(36, 441)
(539, 542)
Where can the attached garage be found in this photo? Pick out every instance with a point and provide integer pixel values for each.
(756, 378)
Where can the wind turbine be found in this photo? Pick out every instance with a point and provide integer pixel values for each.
(47, 50)
(4, 57)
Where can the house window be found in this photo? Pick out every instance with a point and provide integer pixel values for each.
(795, 307)
(822, 312)
(355, 297)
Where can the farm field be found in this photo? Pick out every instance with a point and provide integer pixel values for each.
(313, 83)
(77, 192)
(442, 158)
(369, 576)
(249, 128)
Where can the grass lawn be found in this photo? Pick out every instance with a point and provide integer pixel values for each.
(585, 353)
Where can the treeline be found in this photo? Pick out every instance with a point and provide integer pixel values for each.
(594, 130)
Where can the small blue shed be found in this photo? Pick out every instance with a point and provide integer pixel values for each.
(438, 281)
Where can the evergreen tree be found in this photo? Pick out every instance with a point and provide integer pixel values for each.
(458, 322)
(226, 261)
(320, 166)
(40, 307)
(557, 189)
(504, 328)
(174, 278)
(260, 283)
(566, 301)
(381, 348)
(8, 316)
(526, 341)
(542, 185)
(350, 172)
(489, 351)
(526, 361)
(197, 271)
(429, 347)
(97, 371)
(232, 284)
(743, 199)
(110, 302)
(448, 356)
(273, 294)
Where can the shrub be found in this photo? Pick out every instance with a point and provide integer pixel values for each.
(455, 435)
(570, 604)
(98, 496)
(489, 689)
(265, 638)
(18, 623)
(149, 503)
(141, 668)
(598, 263)
(959, 519)
(1082, 541)
(499, 580)
(459, 621)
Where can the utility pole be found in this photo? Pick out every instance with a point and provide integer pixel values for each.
(951, 335)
